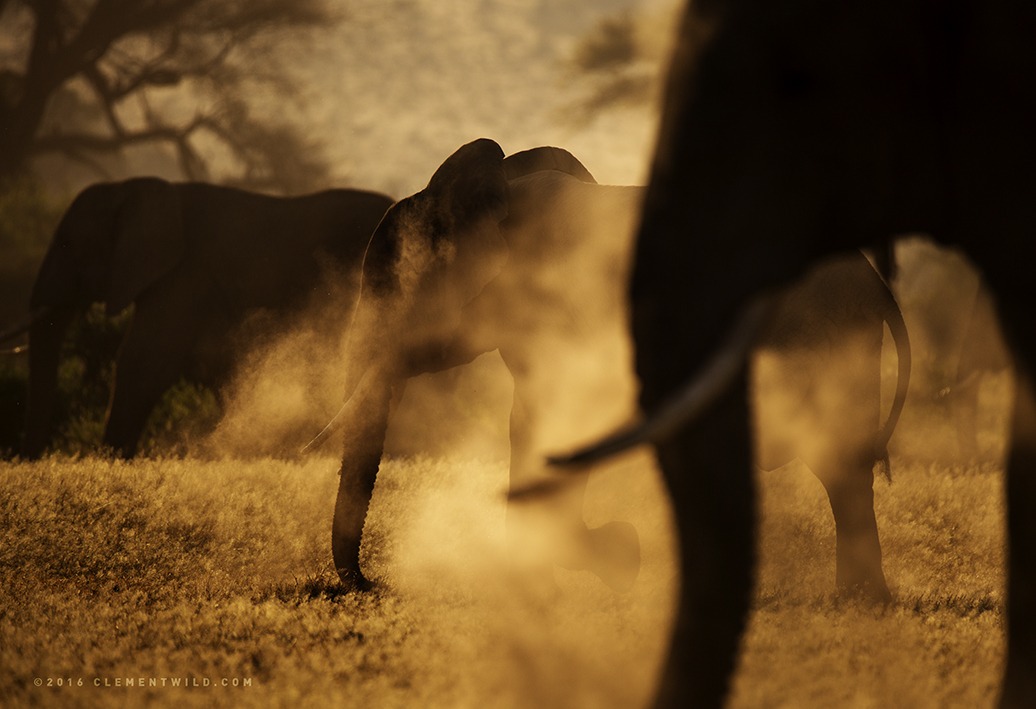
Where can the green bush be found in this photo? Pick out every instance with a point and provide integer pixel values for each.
(185, 412)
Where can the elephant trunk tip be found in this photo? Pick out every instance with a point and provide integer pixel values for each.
(541, 489)
(618, 442)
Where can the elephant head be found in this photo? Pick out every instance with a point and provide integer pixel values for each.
(793, 131)
(426, 265)
(115, 240)
(431, 255)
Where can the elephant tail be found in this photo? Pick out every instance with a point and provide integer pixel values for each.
(893, 315)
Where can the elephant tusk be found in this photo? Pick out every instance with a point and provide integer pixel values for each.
(23, 327)
(327, 432)
(691, 401)
(371, 377)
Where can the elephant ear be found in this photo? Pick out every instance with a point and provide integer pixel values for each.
(545, 158)
(465, 202)
(148, 239)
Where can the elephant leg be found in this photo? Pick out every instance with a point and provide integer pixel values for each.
(366, 423)
(965, 414)
(146, 366)
(845, 461)
(45, 338)
(1019, 686)
(858, 568)
(355, 488)
(708, 470)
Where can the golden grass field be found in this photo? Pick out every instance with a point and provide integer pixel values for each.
(204, 571)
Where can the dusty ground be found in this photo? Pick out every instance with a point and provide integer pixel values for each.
(190, 571)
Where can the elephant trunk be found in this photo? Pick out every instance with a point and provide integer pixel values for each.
(364, 419)
(46, 333)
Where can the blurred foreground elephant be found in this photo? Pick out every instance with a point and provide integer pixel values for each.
(793, 131)
(525, 255)
(195, 260)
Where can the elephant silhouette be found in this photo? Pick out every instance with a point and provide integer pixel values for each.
(794, 131)
(194, 260)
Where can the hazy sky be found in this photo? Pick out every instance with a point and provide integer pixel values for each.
(400, 84)
(395, 86)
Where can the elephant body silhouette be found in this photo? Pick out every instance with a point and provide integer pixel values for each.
(485, 258)
(525, 255)
(195, 260)
(821, 401)
(794, 131)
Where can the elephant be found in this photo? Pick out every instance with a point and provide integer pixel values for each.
(982, 352)
(195, 261)
(542, 211)
(790, 132)
(483, 259)
(822, 400)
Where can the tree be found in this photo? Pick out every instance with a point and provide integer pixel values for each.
(85, 79)
(620, 61)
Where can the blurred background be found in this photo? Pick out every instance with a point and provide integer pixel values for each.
(288, 97)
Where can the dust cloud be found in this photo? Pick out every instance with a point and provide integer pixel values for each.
(555, 323)
(394, 90)
(473, 68)
(536, 635)
(287, 379)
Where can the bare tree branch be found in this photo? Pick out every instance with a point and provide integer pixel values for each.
(122, 49)
(88, 161)
(619, 62)
(68, 142)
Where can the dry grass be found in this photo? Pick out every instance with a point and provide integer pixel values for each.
(213, 570)
(940, 644)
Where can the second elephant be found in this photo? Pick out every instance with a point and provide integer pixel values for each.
(526, 255)
(194, 260)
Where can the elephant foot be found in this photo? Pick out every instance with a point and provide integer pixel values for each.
(614, 550)
(354, 580)
(875, 592)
